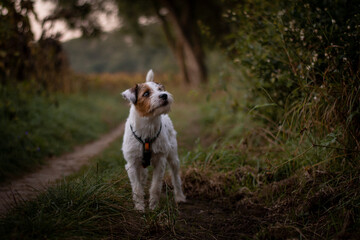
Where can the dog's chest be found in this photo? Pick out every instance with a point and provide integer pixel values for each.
(162, 145)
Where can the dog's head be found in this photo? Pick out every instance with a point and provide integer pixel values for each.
(150, 98)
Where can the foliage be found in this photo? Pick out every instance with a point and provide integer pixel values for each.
(22, 59)
(15, 36)
(182, 23)
(298, 62)
(305, 57)
(79, 15)
(287, 149)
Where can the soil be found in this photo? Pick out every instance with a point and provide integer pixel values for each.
(219, 219)
(29, 185)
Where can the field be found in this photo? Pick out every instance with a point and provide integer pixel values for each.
(267, 110)
(241, 180)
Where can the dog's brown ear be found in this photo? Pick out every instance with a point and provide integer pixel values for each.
(131, 94)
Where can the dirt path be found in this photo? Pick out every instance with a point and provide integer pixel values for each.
(30, 184)
(219, 219)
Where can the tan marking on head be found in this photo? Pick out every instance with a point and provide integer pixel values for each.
(143, 103)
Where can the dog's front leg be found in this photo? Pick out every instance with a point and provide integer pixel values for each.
(134, 173)
(156, 184)
(174, 163)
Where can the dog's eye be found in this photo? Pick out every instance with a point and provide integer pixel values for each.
(146, 94)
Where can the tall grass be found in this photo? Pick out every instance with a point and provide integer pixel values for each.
(298, 63)
(301, 58)
(35, 126)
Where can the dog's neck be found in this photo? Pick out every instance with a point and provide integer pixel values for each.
(144, 126)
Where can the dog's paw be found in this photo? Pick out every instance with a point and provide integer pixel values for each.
(140, 207)
(153, 205)
(179, 198)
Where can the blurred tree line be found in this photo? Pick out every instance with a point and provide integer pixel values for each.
(22, 58)
(183, 23)
(120, 51)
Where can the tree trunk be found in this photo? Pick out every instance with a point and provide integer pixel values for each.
(184, 40)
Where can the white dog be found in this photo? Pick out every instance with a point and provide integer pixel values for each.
(150, 138)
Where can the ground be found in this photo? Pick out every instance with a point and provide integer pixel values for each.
(230, 195)
(219, 219)
(210, 218)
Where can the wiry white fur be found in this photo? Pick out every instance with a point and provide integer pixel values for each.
(150, 76)
(129, 95)
(164, 149)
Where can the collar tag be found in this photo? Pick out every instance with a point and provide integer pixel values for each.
(146, 155)
(147, 146)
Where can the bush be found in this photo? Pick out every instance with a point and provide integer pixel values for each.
(23, 59)
(305, 57)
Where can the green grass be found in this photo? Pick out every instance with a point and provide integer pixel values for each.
(34, 126)
(308, 191)
(94, 203)
(81, 206)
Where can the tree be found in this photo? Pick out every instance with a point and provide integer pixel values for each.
(181, 23)
(15, 38)
(22, 58)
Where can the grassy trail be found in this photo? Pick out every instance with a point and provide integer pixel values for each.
(230, 193)
(29, 185)
(96, 201)
(34, 126)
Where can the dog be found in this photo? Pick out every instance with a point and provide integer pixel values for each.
(150, 138)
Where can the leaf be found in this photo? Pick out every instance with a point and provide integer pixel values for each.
(331, 138)
(261, 106)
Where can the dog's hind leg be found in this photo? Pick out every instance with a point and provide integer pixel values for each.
(156, 184)
(174, 164)
(134, 173)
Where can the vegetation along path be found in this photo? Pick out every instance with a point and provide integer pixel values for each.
(30, 184)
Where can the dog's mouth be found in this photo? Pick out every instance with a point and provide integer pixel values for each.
(163, 105)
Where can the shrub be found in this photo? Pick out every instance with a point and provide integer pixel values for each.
(305, 57)
(23, 59)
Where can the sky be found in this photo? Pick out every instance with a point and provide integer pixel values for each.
(42, 9)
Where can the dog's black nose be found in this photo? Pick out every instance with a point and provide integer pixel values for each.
(163, 96)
